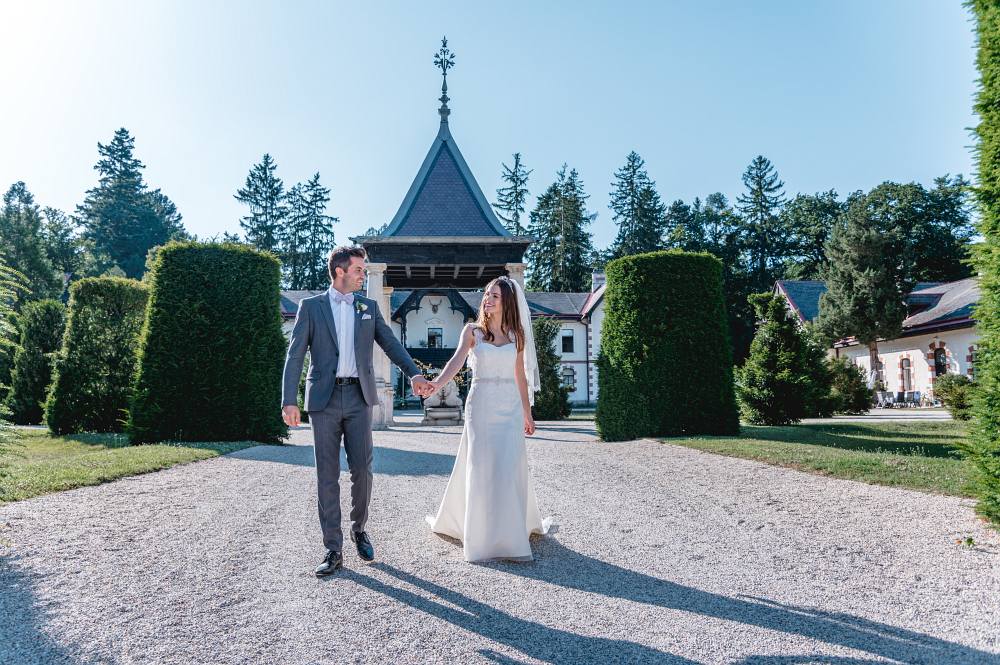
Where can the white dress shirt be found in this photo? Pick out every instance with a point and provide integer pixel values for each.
(343, 317)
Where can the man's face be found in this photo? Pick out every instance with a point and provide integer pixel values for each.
(354, 278)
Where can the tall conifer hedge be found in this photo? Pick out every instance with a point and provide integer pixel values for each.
(41, 323)
(983, 447)
(95, 368)
(211, 349)
(665, 367)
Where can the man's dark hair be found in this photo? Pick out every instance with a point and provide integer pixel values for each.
(340, 257)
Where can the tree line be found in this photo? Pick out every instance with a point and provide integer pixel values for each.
(763, 236)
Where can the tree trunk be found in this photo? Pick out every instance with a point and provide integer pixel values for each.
(873, 361)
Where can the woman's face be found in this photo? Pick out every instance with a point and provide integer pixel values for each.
(492, 304)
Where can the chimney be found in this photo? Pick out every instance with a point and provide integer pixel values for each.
(597, 280)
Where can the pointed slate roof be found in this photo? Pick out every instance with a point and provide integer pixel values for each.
(445, 199)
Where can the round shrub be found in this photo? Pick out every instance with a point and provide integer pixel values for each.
(665, 367)
(41, 324)
(211, 349)
(849, 393)
(95, 368)
(552, 400)
(955, 392)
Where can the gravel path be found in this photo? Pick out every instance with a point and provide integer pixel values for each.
(663, 554)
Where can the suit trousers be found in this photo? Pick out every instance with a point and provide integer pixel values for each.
(347, 416)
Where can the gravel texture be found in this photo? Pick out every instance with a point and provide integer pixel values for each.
(663, 554)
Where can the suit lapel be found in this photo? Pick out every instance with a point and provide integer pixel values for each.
(357, 327)
(327, 308)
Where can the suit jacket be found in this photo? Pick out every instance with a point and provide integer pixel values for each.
(316, 331)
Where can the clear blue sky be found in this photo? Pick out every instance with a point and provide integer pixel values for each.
(840, 94)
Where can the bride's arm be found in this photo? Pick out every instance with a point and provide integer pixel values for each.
(522, 387)
(457, 360)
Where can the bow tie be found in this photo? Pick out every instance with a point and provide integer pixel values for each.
(347, 298)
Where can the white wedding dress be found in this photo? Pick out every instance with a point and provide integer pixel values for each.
(489, 503)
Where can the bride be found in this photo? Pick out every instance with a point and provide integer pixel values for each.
(489, 503)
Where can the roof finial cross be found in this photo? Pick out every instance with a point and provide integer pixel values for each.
(444, 60)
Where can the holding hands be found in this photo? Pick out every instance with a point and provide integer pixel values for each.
(422, 387)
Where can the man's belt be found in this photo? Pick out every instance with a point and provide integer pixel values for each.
(347, 380)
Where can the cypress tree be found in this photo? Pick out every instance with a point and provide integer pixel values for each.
(983, 447)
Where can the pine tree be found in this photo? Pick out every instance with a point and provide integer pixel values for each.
(865, 289)
(293, 239)
(764, 240)
(510, 198)
(319, 236)
(62, 244)
(122, 217)
(560, 259)
(637, 209)
(776, 384)
(264, 194)
(21, 243)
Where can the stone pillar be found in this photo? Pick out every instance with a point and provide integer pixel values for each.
(516, 272)
(377, 291)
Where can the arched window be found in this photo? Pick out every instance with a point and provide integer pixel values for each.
(569, 377)
(940, 362)
(907, 374)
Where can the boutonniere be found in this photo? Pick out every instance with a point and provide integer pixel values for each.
(360, 307)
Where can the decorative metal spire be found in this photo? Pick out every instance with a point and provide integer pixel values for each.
(444, 60)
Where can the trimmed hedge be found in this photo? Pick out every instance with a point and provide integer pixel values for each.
(983, 446)
(95, 368)
(211, 350)
(665, 367)
(552, 400)
(41, 324)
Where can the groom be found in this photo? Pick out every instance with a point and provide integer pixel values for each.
(340, 328)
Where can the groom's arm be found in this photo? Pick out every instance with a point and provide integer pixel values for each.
(295, 357)
(392, 346)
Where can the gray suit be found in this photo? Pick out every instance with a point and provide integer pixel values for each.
(340, 411)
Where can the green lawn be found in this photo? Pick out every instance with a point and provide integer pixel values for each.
(916, 455)
(41, 463)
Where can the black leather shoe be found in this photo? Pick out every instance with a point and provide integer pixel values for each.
(332, 562)
(365, 549)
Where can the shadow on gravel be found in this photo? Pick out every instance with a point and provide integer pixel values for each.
(22, 638)
(388, 461)
(557, 564)
(534, 640)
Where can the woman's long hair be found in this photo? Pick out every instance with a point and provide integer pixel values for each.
(510, 324)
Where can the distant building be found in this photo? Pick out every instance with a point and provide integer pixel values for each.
(939, 334)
